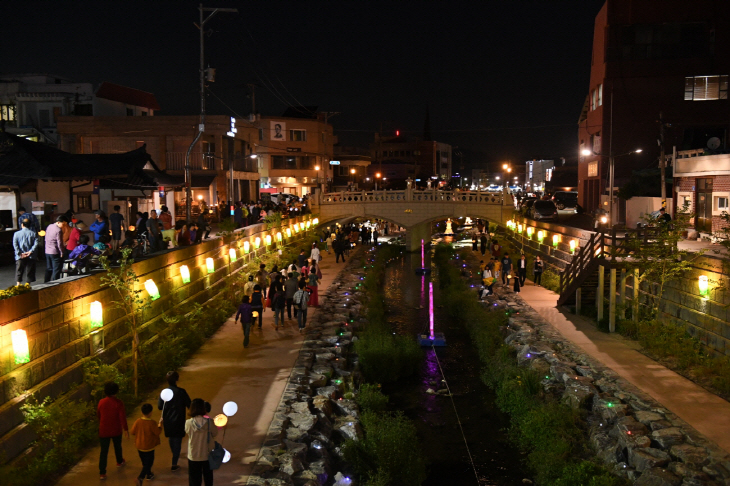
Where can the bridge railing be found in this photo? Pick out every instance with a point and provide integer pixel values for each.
(410, 195)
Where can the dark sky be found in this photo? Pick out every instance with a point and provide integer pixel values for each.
(502, 79)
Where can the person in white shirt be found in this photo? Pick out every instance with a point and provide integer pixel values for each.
(314, 256)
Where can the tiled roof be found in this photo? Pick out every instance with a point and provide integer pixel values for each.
(130, 96)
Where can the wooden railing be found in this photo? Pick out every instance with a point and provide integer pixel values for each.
(587, 255)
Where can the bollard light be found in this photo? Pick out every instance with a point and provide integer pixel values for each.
(704, 284)
(151, 288)
(185, 274)
(267, 240)
(530, 230)
(210, 264)
(257, 243)
(97, 319)
(573, 244)
(540, 235)
(232, 254)
(246, 247)
(288, 232)
(20, 346)
(556, 240)
(278, 236)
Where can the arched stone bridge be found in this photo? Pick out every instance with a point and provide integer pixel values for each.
(414, 210)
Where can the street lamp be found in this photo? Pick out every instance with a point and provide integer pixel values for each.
(316, 167)
(611, 165)
(378, 175)
(352, 177)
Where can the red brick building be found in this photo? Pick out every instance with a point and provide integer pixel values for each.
(653, 56)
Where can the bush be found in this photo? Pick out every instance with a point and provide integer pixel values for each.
(371, 399)
(389, 453)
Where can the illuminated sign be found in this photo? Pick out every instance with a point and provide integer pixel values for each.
(234, 130)
(334, 162)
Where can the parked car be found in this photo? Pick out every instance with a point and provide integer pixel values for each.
(544, 210)
(526, 205)
(565, 199)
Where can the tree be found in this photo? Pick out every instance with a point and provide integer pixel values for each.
(657, 256)
(131, 300)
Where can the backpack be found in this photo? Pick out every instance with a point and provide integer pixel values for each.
(303, 297)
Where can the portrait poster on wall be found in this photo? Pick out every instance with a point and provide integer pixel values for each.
(278, 131)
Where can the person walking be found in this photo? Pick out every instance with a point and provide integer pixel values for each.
(339, 247)
(278, 304)
(537, 270)
(315, 255)
(302, 258)
(474, 242)
(248, 287)
(257, 304)
(25, 243)
(290, 288)
(112, 423)
(54, 248)
(488, 278)
(517, 285)
(496, 249)
(300, 303)
(522, 269)
(173, 416)
(146, 437)
(115, 220)
(245, 313)
(506, 268)
(262, 278)
(332, 238)
(315, 275)
(200, 430)
(153, 232)
(483, 243)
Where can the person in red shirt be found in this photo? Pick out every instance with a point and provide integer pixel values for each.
(112, 422)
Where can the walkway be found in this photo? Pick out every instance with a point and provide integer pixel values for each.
(220, 371)
(705, 411)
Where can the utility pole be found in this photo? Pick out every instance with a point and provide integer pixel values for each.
(662, 162)
(201, 125)
(252, 86)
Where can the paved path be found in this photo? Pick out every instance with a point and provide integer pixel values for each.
(220, 371)
(705, 411)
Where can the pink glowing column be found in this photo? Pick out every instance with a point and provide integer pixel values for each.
(423, 264)
(430, 307)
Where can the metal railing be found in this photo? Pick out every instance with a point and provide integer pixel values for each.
(411, 195)
(198, 161)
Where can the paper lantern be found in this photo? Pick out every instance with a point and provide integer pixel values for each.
(255, 314)
(20, 346)
(230, 408)
(232, 254)
(556, 240)
(267, 239)
(309, 224)
(210, 264)
(519, 228)
(704, 284)
(151, 288)
(42, 233)
(97, 319)
(257, 243)
(166, 395)
(296, 227)
(131, 228)
(226, 456)
(573, 245)
(278, 237)
(220, 420)
(540, 235)
(530, 230)
(315, 221)
(185, 274)
(246, 247)
(288, 232)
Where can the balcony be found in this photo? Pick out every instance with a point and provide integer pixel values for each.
(209, 161)
(692, 163)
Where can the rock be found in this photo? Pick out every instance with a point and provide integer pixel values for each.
(327, 391)
(348, 427)
(577, 396)
(647, 458)
(689, 454)
(660, 424)
(296, 434)
(325, 357)
(540, 366)
(681, 470)
(296, 449)
(322, 369)
(305, 478)
(607, 449)
(317, 381)
(290, 464)
(323, 404)
(647, 417)
(303, 420)
(658, 477)
(668, 437)
(584, 371)
(611, 409)
(346, 407)
(321, 469)
(278, 479)
(300, 407)
(630, 426)
(560, 371)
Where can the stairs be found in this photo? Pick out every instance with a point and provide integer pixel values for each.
(582, 272)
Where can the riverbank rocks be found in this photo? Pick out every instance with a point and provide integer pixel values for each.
(629, 431)
(314, 418)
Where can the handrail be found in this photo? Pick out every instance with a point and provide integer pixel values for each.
(409, 195)
(586, 255)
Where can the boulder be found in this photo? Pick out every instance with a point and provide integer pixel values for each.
(322, 369)
(290, 464)
(643, 459)
(303, 420)
(668, 437)
(297, 449)
(300, 407)
(561, 371)
(323, 404)
(658, 477)
(647, 418)
(660, 424)
(346, 407)
(327, 391)
(577, 396)
(348, 427)
(690, 455)
(540, 366)
(681, 470)
(317, 381)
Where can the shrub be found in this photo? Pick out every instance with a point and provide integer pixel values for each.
(371, 399)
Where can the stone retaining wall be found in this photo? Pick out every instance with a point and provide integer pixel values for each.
(56, 319)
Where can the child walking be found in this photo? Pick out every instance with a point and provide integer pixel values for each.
(146, 437)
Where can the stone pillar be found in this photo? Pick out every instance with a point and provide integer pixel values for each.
(612, 301)
(599, 292)
(414, 235)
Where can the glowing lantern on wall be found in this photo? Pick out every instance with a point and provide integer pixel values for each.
(288, 232)
(185, 274)
(278, 236)
(20, 346)
(309, 224)
(296, 227)
(210, 264)
(530, 230)
(232, 254)
(246, 247)
(556, 240)
(573, 245)
(151, 288)
(704, 284)
(97, 319)
(540, 235)
(315, 221)
(267, 240)
(520, 228)
(257, 243)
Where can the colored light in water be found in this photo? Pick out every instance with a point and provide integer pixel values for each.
(232, 254)
(97, 319)
(210, 264)
(430, 308)
(257, 243)
(267, 239)
(556, 240)
(246, 247)
(20, 346)
(704, 284)
(278, 237)
(151, 288)
(185, 274)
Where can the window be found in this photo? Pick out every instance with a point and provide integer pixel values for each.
(720, 203)
(130, 111)
(600, 95)
(84, 110)
(7, 112)
(44, 118)
(83, 202)
(593, 100)
(298, 135)
(593, 169)
(596, 142)
(144, 113)
(704, 88)
(261, 133)
(277, 162)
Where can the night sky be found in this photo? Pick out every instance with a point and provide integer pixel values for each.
(502, 79)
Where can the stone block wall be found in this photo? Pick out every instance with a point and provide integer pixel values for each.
(56, 319)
